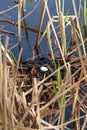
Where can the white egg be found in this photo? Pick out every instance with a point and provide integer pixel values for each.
(44, 69)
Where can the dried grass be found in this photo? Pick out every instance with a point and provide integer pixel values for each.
(42, 111)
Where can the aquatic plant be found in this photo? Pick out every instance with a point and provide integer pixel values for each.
(61, 101)
(57, 87)
(48, 31)
(24, 20)
(12, 56)
(85, 13)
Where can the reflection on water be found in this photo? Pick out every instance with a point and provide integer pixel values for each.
(32, 21)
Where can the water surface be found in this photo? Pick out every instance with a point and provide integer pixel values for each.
(32, 21)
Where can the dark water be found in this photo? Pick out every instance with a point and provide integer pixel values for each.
(32, 21)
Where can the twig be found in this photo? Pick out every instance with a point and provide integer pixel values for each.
(22, 26)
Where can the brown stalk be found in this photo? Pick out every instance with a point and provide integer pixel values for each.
(74, 106)
(19, 127)
(0, 74)
(41, 22)
(22, 26)
(14, 78)
(4, 88)
(62, 32)
(77, 108)
(84, 124)
(36, 90)
(8, 32)
(19, 24)
(78, 47)
(57, 95)
(1, 87)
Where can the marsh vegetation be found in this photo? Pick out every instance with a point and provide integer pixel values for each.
(45, 92)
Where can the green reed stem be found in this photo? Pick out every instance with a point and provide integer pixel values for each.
(24, 21)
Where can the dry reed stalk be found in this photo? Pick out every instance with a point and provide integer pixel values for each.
(76, 40)
(1, 87)
(34, 111)
(35, 97)
(41, 23)
(74, 7)
(78, 122)
(46, 124)
(12, 92)
(81, 117)
(22, 26)
(2, 12)
(57, 95)
(0, 73)
(14, 72)
(63, 4)
(41, 38)
(50, 42)
(7, 56)
(74, 105)
(28, 92)
(62, 32)
(84, 124)
(8, 32)
(34, 103)
(36, 92)
(18, 127)
(19, 24)
(76, 90)
(75, 49)
(4, 86)
(79, 50)
(76, 110)
(49, 16)
(62, 106)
